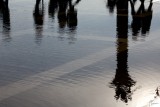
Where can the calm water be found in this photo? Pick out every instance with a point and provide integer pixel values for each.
(84, 53)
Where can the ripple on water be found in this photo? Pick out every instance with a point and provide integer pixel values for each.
(147, 78)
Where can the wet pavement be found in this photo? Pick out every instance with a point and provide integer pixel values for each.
(94, 53)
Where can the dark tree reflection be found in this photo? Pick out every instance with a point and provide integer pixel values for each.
(122, 82)
(66, 12)
(72, 15)
(66, 15)
(111, 4)
(52, 8)
(5, 15)
(38, 20)
(141, 18)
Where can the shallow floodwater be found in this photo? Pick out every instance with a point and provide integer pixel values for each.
(81, 53)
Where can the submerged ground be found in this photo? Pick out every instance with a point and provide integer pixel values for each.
(88, 53)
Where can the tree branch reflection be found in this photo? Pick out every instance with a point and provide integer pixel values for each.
(141, 19)
(5, 15)
(66, 15)
(38, 20)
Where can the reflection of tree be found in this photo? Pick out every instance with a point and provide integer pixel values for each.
(52, 8)
(5, 14)
(141, 18)
(38, 19)
(111, 5)
(122, 81)
(72, 15)
(66, 14)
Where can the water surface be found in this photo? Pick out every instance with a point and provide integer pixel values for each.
(94, 53)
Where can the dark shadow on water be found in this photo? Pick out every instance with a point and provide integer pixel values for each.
(5, 18)
(66, 16)
(122, 82)
(38, 16)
